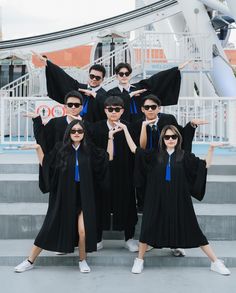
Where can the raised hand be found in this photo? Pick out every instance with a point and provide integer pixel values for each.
(197, 122)
(113, 131)
(181, 66)
(74, 117)
(217, 144)
(147, 122)
(30, 115)
(30, 147)
(88, 92)
(40, 57)
(137, 93)
(121, 125)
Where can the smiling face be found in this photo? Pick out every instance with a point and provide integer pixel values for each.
(123, 76)
(77, 133)
(170, 139)
(150, 109)
(95, 78)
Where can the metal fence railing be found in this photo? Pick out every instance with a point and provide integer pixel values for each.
(220, 113)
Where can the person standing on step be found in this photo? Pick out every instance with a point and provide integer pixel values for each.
(59, 83)
(120, 199)
(164, 84)
(70, 171)
(172, 177)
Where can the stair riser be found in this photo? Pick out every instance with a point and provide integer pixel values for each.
(28, 191)
(27, 226)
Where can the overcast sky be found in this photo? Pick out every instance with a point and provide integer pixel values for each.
(22, 18)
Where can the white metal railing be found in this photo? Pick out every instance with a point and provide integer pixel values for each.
(176, 48)
(220, 113)
(19, 87)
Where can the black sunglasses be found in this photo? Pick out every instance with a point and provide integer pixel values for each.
(116, 109)
(168, 137)
(121, 74)
(147, 107)
(76, 105)
(79, 131)
(92, 76)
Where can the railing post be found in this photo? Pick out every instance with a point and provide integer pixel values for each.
(2, 119)
(232, 122)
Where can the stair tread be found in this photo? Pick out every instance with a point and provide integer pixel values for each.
(113, 248)
(41, 208)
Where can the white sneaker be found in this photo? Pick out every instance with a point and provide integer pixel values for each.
(149, 248)
(178, 252)
(83, 266)
(219, 267)
(60, 253)
(132, 245)
(137, 266)
(24, 266)
(100, 245)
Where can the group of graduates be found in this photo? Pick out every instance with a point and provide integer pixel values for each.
(112, 154)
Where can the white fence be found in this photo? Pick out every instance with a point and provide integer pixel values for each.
(220, 113)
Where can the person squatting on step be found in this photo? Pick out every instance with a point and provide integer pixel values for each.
(172, 176)
(70, 171)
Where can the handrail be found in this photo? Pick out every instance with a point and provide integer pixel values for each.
(99, 25)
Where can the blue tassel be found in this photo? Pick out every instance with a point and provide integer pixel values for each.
(134, 106)
(150, 138)
(77, 177)
(168, 173)
(85, 107)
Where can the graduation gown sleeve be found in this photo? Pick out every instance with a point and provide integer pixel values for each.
(196, 173)
(144, 160)
(47, 172)
(165, 85)
(100, 159)
(59, 83)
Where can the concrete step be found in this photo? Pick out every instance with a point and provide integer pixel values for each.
(23, 220)
(24, 188)
(14, 251)
(20, 188)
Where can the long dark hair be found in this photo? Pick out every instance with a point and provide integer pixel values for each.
(162, 146)
(67, 143)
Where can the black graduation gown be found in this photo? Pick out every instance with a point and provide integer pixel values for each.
(169, 219)
(187, 131)
(165, 85)
(59, 83)
(49, 134)
(60, 228)
(120, 199)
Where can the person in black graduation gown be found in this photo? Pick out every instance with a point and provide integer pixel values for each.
(164, 84)
(52, 132)
(70, 172)
(146, 131)
(172, 176)
(120, 200)
(59, 83)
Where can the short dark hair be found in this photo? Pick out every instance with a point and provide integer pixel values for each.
(73, 94)
(113, 101)
(152, 97)
(98, 67)
(123, 65)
